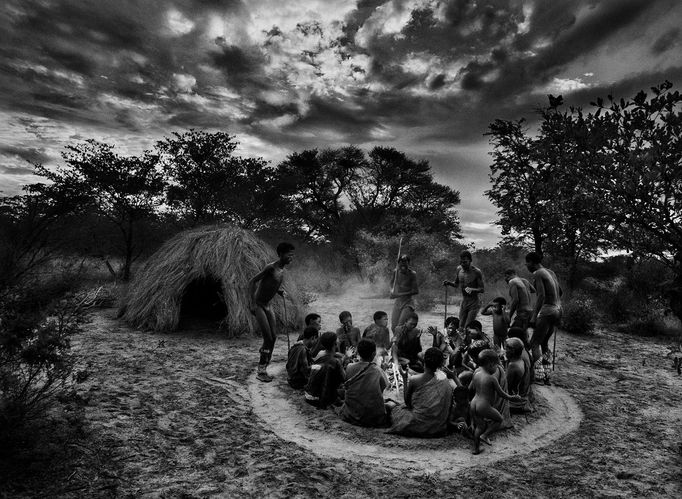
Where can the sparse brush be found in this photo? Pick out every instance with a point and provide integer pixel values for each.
(227, 254)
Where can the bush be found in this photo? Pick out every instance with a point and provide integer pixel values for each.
(652, 324)
(35, 353)
(579, 315)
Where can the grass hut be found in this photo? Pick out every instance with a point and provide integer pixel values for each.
(202, 275)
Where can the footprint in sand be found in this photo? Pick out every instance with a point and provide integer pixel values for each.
(274, 404)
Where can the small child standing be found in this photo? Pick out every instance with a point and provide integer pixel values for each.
(501, 320)
(300, 359)
(486, 387)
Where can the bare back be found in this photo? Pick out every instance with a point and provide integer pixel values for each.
(547, 285)
(484, 385)
(269, 284)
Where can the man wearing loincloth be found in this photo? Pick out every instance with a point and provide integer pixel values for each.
(470, 279)
(262, 289)
(547, 313)
(405, 288)
(520, 308)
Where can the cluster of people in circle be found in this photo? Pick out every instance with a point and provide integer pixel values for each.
(465, 381)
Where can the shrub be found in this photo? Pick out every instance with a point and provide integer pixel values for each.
(35, 353)
(652, 324)
(579, 315)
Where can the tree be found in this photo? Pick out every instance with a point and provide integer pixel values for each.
(542, 184)
(123, 190)
(332, 194)
(640, 177)
(521, 187)
(208, 183)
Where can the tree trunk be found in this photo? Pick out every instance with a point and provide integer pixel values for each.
(129, 252)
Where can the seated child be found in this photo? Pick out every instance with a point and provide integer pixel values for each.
(519, 374)
(428, 398)
(365, 385)
(459, 412)
(348, 336)
(300, 359)
(326, 375)
(407, 345)
(476, 341)
(501, 320)
(446, 342)
(313, 320)
(486, 387)
(378, 332)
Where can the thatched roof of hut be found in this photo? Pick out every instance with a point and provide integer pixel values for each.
(205, 270)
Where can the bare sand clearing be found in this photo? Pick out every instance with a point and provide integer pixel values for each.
(178, 415)
(277, 407)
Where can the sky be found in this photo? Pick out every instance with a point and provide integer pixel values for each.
(424, 76)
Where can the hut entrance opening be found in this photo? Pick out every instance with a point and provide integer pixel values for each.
(202, 303)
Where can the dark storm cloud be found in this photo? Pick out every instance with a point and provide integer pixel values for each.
(29, 154)
(15, 170)
(666, 41)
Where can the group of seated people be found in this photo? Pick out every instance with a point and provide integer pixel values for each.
(463, 382)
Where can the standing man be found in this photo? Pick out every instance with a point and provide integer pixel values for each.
(547, 313)
(262, 289)
(470, 279)
(519, 291)
(405, 287)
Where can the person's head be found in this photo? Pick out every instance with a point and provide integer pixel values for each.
(380, 318)
(313, 320)
(310, 335)
(475, 328)
(404, 263)
(412, 321)
(367, 349)
(346, 319)
(488, 360)
(509, 274)
(513, 348)
(328, 341)
(452, 323)
(285, 252)
(433, 358)
(533, 261)
(499, 302)
(465, 259)
(518, 333)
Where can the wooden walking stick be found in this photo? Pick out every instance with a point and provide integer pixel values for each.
(395, 274)
(286, 328)
(556, 332)
(445, 318)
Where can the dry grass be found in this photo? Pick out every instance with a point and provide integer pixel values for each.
(225, 253)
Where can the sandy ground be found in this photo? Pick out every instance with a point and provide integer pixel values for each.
(177, 415)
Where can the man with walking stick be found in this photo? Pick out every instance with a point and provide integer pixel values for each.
(547, 313)
(404, 288)
(262, 289)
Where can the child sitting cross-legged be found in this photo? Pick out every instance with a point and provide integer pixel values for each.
(326, 375)
(365, 384)
(300, 359)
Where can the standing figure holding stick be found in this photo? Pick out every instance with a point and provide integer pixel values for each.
(404, 288)
(262, 289)
(470, 279)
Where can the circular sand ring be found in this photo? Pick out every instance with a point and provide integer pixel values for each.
(285, 419)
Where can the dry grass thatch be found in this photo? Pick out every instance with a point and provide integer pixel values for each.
(228, 254)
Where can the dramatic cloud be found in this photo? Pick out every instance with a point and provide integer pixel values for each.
(425, 76)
